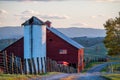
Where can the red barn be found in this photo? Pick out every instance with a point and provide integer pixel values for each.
(59, 48)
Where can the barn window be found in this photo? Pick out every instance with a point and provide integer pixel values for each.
(62, 51)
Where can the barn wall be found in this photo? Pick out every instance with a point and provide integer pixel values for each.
(55, 43)
(16, 48)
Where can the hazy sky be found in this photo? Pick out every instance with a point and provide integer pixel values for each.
(62, 13)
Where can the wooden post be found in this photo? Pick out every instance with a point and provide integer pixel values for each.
(45, 63)
(56, 66)
(48, 65)
(5, 61)
(51, 65)
(41, 65)
(25, 66)
(21, 68)
(15, 65)
(30, 66)
(38, 65)
(12, 63)
(34, 66)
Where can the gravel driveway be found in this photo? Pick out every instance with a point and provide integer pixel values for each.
(92, 74)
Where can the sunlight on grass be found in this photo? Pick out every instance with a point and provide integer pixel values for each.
(24, 77)
(112, 76)
(13, 77)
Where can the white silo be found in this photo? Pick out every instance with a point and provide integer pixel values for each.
(34, 39)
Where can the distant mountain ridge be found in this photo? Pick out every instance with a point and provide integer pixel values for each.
(17, 32)
(11, 32)
(80, 32)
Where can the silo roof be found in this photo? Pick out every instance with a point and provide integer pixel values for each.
(33, 20)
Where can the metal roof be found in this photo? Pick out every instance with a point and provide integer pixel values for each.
(33, 20)
(67, 39)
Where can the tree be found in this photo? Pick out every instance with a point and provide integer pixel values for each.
(112, 39)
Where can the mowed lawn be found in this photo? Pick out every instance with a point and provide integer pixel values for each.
(112, 76)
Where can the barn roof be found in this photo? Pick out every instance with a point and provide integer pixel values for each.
(67, 39)
(33, 20)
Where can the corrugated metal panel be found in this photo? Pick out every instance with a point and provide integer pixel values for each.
(27, 42)
(39, 41)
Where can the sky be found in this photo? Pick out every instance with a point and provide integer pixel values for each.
(62, 13)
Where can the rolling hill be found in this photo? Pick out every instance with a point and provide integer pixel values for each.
(17, 32)
(93, 46)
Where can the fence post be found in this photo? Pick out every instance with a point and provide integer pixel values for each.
(34, 66)
(15, 65)
(5, 61)
(25, 66)
(45, 63)
(48, 64)
(41, 65)
(38, 65)
(30, 66)
(12, 63)
(21, 68)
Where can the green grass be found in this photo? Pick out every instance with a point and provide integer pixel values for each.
(113, 68)
(112, 76)
(90, 65)
(14, 77)
(24, 77)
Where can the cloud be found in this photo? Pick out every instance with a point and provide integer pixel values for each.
(82, 24)
(26, 14)
(25, 17)
(108, 0)
(54, 17)
(98, 16)
(30, 12)
(3, 11)
(34, 0)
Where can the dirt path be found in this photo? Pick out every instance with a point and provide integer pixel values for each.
(92, 74)
(55, 77)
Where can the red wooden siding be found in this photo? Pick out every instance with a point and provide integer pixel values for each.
(55, 43)
(17, 48)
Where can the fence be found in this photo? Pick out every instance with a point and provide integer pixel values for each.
(113, 67)
(14, 65)
(94, 58)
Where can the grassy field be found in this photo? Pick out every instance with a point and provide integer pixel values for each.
(23, 77)
(112, 76)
